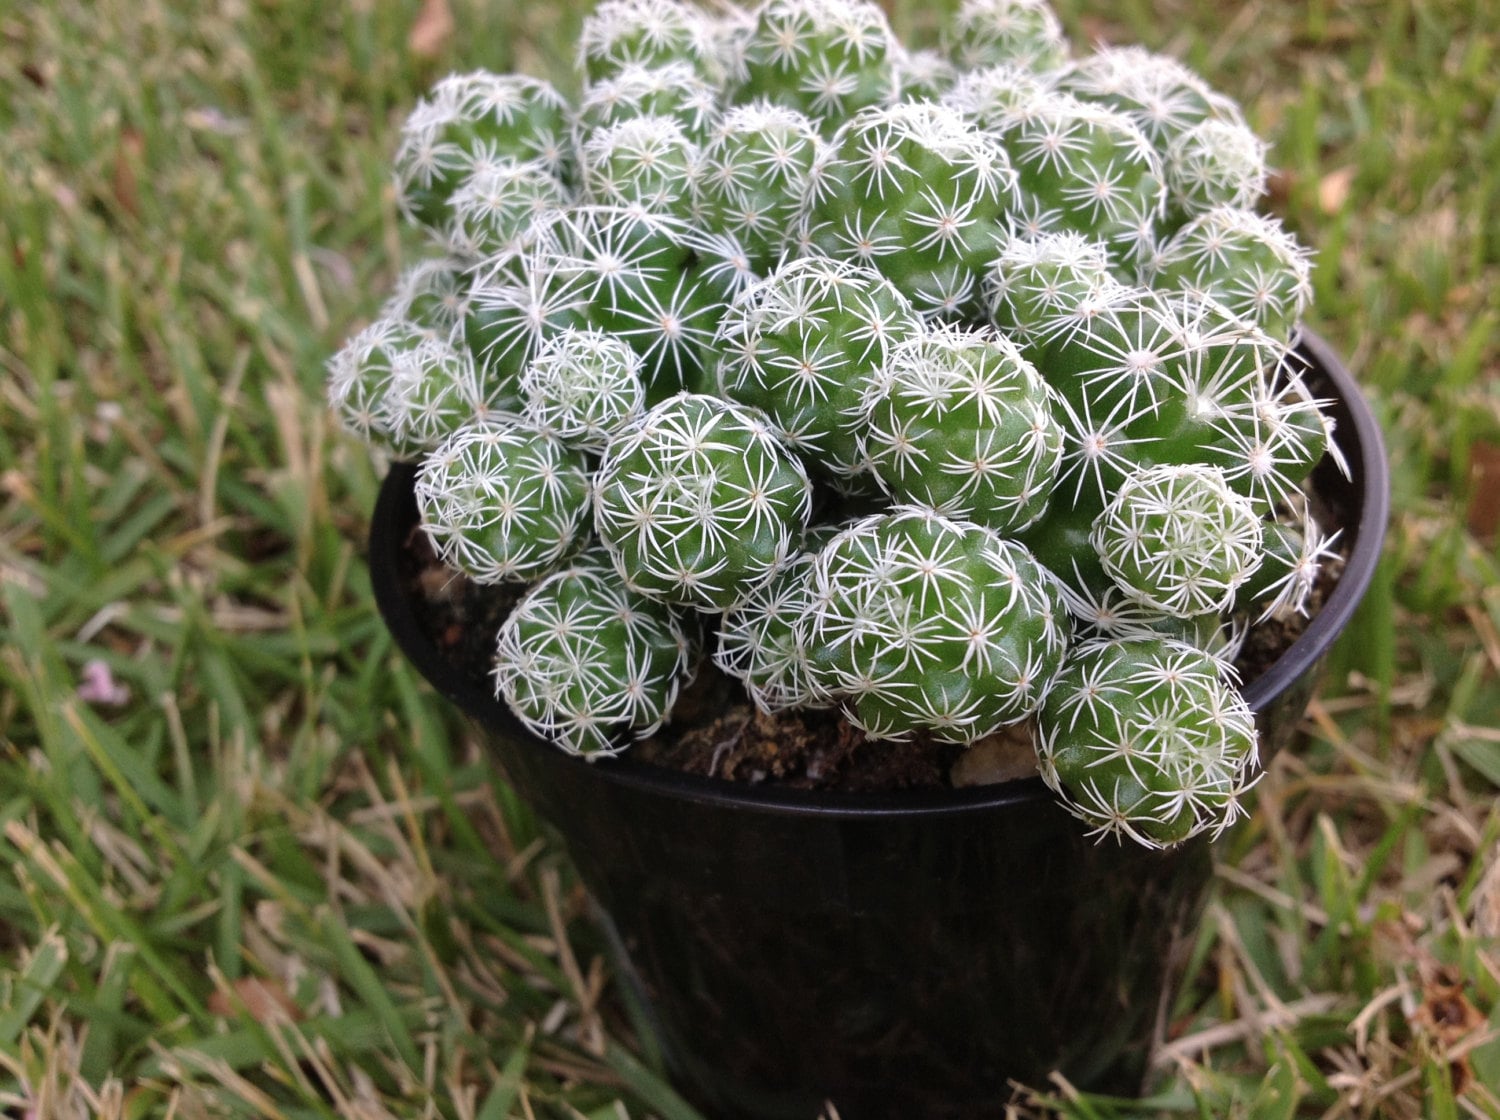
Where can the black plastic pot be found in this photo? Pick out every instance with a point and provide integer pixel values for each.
(901, 955)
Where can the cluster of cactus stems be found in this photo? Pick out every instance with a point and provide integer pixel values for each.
(948, 388)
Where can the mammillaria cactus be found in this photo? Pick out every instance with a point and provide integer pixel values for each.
(472, 121)
(1179, 540)
(1245, 261)
(801, 346)
(641, 161)
(698, 502)
(923, 622)
(753, 175)
(962, 423)
(953, 390)
(673, 90)
(1143, 738)
(650, 33)
(1214, 163)
(825, 58)
(1085, 168)
(503, 502)
(584, 387)
(996, 32)
(914, 192)
(582, 659)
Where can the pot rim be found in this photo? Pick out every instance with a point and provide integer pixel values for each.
(1359, 438)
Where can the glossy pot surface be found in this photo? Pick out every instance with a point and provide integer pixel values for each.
(900, 955)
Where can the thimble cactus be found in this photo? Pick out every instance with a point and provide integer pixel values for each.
(584, 387)
(503, 502)
(587, 663)
(752, 178)
(673, 90)
(1214, 163)
(498, 207)
(953, 390)
(1144, 738)
(648, 33)
(961, 422)
(1159, 94)
(472, 121)
(825, 58)
(763, 639)
(1085, 168)
(698, 502)
(641, 161)
(914, 192)
(1176, 538)
(802, 345)
(1036, 279)
(995, 32)
(926, 623)
(1247, 262)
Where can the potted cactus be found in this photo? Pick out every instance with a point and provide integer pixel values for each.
(955, 400)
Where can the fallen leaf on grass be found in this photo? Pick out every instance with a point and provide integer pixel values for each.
(1333, 190)
(1483, 514)
(265, 1001)
(1446, 1016)
(123, 182)
(431, 30)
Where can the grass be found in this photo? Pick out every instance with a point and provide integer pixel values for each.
(277, 880)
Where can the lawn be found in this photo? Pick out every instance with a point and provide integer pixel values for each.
(254, 868)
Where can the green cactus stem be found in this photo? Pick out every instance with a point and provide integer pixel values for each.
(1142, 738)
(698, 502)
(587, 664)
(504, 502)
(933, 624)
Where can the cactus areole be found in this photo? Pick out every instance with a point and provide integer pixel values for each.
(950, 400)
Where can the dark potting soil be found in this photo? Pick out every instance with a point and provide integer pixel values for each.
(716, 731)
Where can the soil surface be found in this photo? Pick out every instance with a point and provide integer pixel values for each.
(716, 731)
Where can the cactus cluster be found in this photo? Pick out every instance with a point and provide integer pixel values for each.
(947, 388)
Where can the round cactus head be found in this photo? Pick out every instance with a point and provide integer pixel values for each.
(674, 90)
(961, 422)
(434, 391)
(497, 208)
(1143, 738)
(1214, 163)
(501, 501)
(1037, 280)
(471, 121)
(825, 58)
(433, 295)
(649, 33)
(1018, 32)
(1159, 94)
(361, 374)
(1086, 168)
(923, 623)
(641, 161)
(698, 502)
(587, 663)
(584, 387)
(1179, 540)
(763, 639)
(915, 193)
(1245, 261)
(802, 344)
(753, 176)
(921, 76)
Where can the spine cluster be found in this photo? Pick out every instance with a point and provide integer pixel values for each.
(951, 388)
